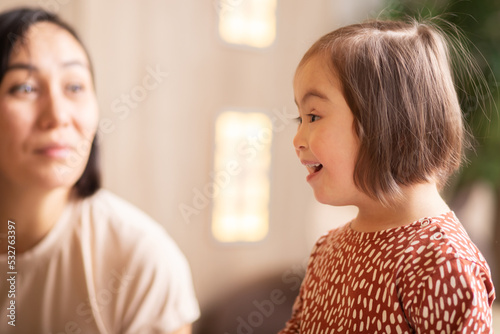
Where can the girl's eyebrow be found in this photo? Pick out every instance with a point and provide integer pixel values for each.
(312, 93)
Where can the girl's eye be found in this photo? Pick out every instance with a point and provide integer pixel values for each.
(298, 120)
(314, 118)
(22, 89)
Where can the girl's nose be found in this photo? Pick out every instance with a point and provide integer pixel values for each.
(300, 139)
(54, 110)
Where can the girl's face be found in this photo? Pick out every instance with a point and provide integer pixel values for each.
(48, 110)
(326, 142)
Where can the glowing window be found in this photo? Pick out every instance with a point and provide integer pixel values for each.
(241, 176)
(248, 22)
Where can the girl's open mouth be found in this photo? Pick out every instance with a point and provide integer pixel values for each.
(318, 168)
(313, 168)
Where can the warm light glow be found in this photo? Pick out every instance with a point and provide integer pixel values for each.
(248, 22)
(241, 175)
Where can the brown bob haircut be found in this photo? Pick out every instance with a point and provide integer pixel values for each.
(397, 80)
(14, 24)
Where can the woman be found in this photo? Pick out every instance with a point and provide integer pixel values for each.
(77, 259)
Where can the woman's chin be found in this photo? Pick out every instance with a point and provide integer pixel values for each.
(53, 177)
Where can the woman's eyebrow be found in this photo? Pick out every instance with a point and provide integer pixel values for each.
(75, 63)
(21, 66)
(30, 67)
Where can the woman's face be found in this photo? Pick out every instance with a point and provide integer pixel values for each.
(48, 111)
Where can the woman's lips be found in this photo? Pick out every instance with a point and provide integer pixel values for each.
(54, 151)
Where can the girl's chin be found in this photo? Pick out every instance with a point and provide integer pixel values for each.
(323, 199)
(331, 199)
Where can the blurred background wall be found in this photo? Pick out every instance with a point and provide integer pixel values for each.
(158, 144)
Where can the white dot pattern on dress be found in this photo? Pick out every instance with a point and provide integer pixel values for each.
(426, 277)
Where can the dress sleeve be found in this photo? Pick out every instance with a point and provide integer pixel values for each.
(293, 325)
(456, 298)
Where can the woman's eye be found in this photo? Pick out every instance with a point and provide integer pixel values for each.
(74, 88)
(22, 89)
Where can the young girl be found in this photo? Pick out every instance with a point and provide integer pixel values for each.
(381, 128)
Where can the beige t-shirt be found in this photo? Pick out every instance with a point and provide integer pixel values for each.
(105, 267)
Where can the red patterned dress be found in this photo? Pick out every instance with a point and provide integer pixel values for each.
(426, 277)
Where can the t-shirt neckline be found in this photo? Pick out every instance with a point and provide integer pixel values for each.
(53, 239)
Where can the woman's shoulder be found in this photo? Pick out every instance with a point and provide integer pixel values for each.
(107, 208)
(111, 222)
(111, 204)
(125, 246)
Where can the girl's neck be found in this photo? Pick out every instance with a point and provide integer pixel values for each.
(34, 211)
(418, 201)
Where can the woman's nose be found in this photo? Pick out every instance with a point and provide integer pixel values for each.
(54, 110)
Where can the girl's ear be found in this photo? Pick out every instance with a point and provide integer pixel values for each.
(358, 129)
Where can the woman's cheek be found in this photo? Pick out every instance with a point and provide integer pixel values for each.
(88, 121)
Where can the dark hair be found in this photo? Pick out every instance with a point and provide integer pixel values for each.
(14, 24)
(397, 80)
